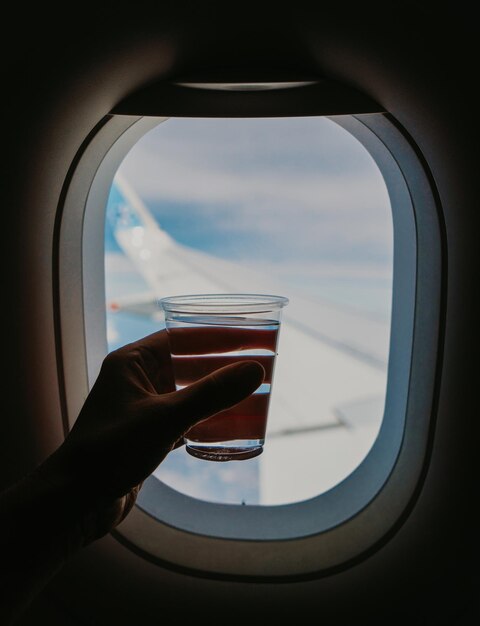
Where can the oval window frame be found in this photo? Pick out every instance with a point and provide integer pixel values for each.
(314, 536)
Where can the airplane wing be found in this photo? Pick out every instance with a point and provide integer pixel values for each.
(330, 374)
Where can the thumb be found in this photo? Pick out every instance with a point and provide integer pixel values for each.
(214, 393)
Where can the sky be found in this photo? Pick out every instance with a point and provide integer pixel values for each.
(296, 196)
(299, 198)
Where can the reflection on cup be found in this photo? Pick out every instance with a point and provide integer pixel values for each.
(207, 332)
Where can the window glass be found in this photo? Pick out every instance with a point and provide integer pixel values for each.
(290, 206)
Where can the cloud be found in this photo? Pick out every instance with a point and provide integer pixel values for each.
(304, 185)
(161, 177)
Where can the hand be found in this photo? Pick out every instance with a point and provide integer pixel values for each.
(130, 421)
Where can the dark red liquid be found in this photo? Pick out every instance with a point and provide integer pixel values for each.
(217, 339)
(200, 350)
(246, 420)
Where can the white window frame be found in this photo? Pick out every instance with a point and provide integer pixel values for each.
(324, 533)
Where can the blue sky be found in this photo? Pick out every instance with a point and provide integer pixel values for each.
(293, 189)
(298, 197)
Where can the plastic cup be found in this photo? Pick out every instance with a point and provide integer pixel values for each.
(207, 332)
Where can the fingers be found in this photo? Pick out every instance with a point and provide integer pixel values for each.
(156, 342)
(179, 443)
(152, 357)
(213, 393)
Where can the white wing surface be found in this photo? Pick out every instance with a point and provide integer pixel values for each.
(330, 374)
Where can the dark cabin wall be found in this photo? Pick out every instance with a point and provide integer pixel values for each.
(59, 82)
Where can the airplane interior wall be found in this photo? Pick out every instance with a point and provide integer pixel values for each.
(59, 85)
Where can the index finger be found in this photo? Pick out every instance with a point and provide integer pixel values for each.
(156, 342)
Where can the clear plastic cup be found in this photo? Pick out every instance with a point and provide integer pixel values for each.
(207, 332)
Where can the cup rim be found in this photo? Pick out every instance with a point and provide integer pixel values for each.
(222, 303)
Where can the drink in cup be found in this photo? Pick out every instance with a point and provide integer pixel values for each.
(207, 332)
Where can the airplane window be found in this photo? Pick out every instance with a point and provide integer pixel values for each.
(289, 206)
